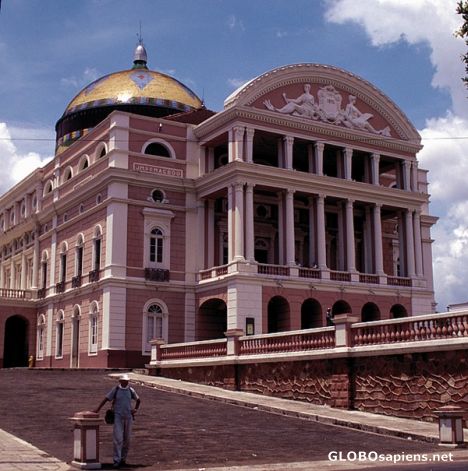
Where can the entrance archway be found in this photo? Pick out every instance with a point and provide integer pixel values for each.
(311, 314)
(370, 312)
(278, 315)
(398, 311)
(16, 351)
(212, 320)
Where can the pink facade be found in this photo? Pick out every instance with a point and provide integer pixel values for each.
(302, 196)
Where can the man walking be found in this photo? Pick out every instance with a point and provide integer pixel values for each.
(121, 397)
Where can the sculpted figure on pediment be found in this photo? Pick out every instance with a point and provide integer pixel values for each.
(304, 105)
(328, 109)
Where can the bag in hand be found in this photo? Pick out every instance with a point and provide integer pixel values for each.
(109, 417)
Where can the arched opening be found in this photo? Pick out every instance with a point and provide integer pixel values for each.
(278, 315)
(341, 307)
(311, 314)
(15, 352)
(212, 320)
(155, 148)
(398, 311)
(370, 312)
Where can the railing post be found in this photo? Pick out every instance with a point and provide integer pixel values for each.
(233, 343)
(343, 324)
(156, 345)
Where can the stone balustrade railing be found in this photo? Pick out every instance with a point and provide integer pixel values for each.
(15, 293)
(294, 341)
(202, 349)
(410, 329)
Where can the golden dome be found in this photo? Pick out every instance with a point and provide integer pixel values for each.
(138, 86)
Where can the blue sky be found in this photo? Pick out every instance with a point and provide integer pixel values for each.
(51, 49)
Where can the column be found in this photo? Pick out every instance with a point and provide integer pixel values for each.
(319, 147)
(414, 176)
(249, 223)
(375, 161)
(236, 143)
(249, 144)
(348, 161)
(201, 235)
(312, 237)
(290, 237)
(230, 218)
(350, 247)
(341, 237)
(409, 243)
(36, 255)
(418, 243)
(321, 242)
(211, 159)
(239, 222)
(27, 205)
(210, 233)
(23, 271)
(406, 175)
(281, 223)
(288, 151)
(12, 274)
(368, 241)
(378, 251)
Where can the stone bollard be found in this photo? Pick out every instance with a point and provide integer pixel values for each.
(86, 440)
(450, 425)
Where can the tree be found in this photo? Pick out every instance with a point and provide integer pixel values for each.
(462, 9)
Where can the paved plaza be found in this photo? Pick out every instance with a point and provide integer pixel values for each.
(179, 428)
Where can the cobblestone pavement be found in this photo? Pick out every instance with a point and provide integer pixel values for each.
(175, 431)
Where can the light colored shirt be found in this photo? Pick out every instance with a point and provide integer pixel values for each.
(122, 398)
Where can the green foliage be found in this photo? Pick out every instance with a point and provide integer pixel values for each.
(462, 9)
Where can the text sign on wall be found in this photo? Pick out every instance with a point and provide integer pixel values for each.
(153, 169)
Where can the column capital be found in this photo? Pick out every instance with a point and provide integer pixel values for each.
(250, 133)
(348, 151)
(238, 130)
(378, 205)
(406, 163)
(350, 201)
(375, 156)
(290, 191)
(288, 139)
(319, 146)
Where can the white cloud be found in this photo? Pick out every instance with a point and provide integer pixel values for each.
(236, 82)
(445, 139)
(16, 165)
(235, 23)
(88, 76)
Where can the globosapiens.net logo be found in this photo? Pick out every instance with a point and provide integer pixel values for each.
(374, 456)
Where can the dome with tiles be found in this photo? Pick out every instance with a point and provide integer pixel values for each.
(136, 90)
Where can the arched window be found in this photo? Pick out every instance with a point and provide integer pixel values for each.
(97, 248)
(41, 326)
(48, 187)
(44, 263)
(79, 249)
(156, 148)
(59, 330)
(156, 246)
(93, 327)
(101, 151)
(67, 174)
(154, 323)
(84, 163)
(63, 262)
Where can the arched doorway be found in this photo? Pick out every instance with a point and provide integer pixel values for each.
(398, 311)
(311, 314)
(15, 352)
(370, 312)
(341, 307)
(212, 320)
(278, 315)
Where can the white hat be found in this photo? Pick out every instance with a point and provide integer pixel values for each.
(124, 377)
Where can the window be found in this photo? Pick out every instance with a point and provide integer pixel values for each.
(158, 196)
(93, 328)
(68, 174)
(156, 246)
(84, 163)
(45, 258)
(154, 323)
(63, 262)
(48, 187)
(59, 329)
(101, 151)
(79, 256)
(41, 323)
(156, 148)
(97, 248)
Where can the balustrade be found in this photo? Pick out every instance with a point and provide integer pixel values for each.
(15, 293)
(203, 349)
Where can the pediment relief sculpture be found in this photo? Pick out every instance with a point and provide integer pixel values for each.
(328, 109)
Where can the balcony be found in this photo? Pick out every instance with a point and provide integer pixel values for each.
(60, 287)
(94, 275)
(156, 274)
(15, 294)
(76, 281)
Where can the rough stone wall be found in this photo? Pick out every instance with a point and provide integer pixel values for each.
(412, 385)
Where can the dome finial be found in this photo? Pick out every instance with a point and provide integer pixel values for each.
(140, 57)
